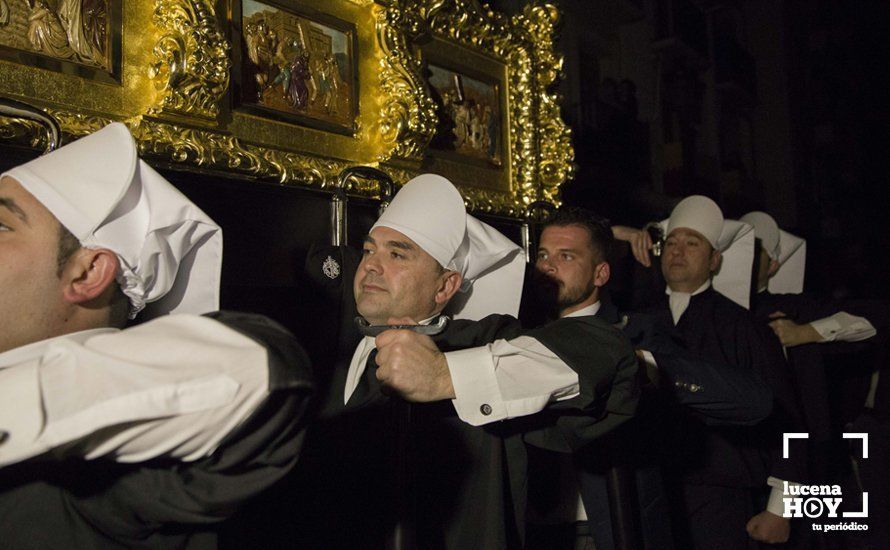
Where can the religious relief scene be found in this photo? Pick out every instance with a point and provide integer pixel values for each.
(68, 30)
(444, 275)
(469, 115)
(295, 65)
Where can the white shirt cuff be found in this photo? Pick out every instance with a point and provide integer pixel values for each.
(776, 502)
(477, 396)
(649, 358)
(844, 327)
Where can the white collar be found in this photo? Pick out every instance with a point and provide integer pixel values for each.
(36, 349)
(592, 309)
(679, 301)
(699, 290)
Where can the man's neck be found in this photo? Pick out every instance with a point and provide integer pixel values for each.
(592, 299)
(591, 309)
(690, 288)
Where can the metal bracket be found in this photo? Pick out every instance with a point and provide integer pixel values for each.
(532, 216)
(16, 109)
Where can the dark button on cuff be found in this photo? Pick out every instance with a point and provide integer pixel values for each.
(4, 435)
(485, 409)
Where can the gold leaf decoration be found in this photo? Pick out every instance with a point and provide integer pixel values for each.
(173, 91)
(557, 154)
(408, 114)
(191, 67)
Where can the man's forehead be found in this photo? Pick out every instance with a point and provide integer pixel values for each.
(679, 232)
(389, 237)
(13, 191)
(565, 236)
(382, 235)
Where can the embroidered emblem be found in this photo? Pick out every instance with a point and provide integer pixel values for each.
(330, 268)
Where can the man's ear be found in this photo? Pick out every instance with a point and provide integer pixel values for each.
(451, 281)
(773, 267)
(88, 274)
(601, 274)
(716, 259)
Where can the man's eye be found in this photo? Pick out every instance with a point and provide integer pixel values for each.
(396, 255)
(542, 255)
(4, 227)
(367, 252)
(568, 257)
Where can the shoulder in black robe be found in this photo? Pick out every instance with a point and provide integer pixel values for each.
(163, 503)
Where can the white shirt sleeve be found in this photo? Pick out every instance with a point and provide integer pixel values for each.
(506, 379)
(776, 502)
(173, 387)
(844, 327)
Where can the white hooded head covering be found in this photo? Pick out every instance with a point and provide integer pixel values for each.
(97, 187)
(734, 239)
(787, 249)
(430, 211)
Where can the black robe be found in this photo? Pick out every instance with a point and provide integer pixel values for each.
(826, 408)
(728, 464)
(716, 394)
(99, 504)
(461, 486)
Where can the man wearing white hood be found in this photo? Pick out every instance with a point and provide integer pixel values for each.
(475, 393)
(140, 437)
(800, 321)
(722, 473)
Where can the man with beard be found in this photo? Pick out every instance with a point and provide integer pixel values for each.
(148, 436)
(423, 436)
(572, 270)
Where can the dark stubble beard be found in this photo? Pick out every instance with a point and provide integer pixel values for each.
(572, 296)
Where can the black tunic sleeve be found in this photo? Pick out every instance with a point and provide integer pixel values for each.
(165, 503)
(609, 389)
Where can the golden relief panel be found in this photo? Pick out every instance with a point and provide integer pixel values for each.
(294, 92)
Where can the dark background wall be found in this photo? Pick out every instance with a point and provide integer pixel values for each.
(777, 105)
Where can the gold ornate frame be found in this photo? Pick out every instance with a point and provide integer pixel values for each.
(175, 95)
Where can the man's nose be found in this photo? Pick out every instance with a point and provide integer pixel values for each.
(546, 265)
(372, 264)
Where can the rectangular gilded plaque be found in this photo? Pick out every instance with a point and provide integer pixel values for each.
(71, 36)
(469, 112)
(471, 143)
(296, 66)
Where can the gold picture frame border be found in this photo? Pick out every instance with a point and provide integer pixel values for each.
(111, 76)
(175, 95)
(467, 171)
(316, 16)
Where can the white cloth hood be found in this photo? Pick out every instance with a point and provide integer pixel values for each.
(734, 239)
(787, 249)
(430, 211)
(97, 187)
(699, 213)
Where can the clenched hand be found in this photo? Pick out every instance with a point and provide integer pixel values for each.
(411, 365)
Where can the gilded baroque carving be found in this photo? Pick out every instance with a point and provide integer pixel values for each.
(408, 114)
(190, 70)
(556, 155)
(191, 67)
(24, 132)
(525, 44)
